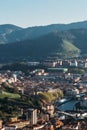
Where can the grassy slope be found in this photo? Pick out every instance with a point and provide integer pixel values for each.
(68, 46)
(9, 95)
(68, 49)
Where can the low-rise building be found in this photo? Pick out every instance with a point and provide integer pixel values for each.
(50, 109)
(72, 91)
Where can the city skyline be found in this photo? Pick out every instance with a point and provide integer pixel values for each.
(36, 12)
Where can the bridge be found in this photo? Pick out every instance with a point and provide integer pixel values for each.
(68, 114)
(76, 116)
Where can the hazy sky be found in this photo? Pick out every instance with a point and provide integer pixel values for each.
(26, 13)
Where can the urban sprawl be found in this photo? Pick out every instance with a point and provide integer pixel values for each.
(52, 96)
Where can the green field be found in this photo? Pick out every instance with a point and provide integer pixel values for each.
(9, 95)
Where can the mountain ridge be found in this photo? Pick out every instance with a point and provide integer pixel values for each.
(44, 41)
(19, 34)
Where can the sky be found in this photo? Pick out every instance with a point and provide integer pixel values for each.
(27, 13)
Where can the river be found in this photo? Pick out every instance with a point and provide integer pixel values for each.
(67, 105)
